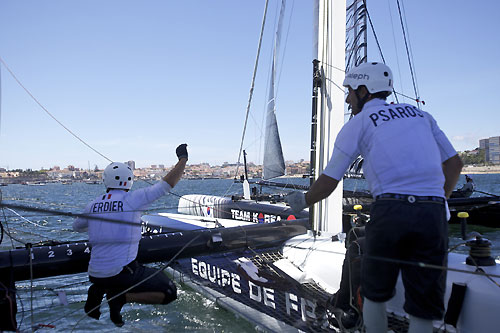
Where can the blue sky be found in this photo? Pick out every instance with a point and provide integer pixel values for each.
(136, 78)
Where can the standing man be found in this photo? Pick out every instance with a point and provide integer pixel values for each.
(113, 222)
(411, 168)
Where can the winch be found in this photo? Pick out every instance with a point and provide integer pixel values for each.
(480, 247)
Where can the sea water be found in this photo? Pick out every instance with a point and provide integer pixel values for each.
(190, 312)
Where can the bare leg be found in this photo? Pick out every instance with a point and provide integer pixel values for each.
(150, 297)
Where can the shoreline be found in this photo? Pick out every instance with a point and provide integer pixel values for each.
(474, 170)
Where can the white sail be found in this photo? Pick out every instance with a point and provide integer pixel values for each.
(274, 163)
(331, 26)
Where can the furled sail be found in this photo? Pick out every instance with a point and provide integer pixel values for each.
(274, 163)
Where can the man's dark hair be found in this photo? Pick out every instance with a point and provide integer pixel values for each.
(381, 94)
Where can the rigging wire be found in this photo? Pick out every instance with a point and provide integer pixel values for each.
(376, 40)
(408, 54)
(395, 45)
(252, 83)
(50, 114)
(374, 33)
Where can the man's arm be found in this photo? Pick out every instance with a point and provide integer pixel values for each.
(173, 177)
(451, 169)
(320, 189)
(81, 223)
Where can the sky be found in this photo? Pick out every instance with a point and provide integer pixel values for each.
(133, 79)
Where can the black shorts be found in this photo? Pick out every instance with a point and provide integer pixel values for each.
(414, 232)
(134, 273)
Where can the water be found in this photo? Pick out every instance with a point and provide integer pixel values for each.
(191, 311)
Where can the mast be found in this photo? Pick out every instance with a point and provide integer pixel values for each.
(330, 31)
(312, 164)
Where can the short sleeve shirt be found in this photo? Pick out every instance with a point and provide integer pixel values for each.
(403, 148)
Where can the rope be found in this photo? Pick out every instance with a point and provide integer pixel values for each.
(25, 219)
(69, 214)
(50, 114)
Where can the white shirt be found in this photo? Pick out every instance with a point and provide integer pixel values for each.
(115, 245)
(403, 148)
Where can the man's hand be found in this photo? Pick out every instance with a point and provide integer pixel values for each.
(181, 151)
(297, 201)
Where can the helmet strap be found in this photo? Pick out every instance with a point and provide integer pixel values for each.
(362, 100)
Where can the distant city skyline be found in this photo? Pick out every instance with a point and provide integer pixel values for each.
(151, 166)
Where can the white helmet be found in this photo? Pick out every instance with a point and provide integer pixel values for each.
(118, 175)
(376, 77)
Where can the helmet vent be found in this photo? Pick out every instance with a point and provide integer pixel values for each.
(386, 74)
(129, 178)
(117, 177)
(115, 167)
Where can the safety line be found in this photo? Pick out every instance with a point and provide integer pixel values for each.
(50, 114)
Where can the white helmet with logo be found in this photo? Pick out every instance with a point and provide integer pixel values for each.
(118, 175)
(375, 76)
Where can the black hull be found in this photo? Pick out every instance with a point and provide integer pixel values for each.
(296, 306)
(73, 257)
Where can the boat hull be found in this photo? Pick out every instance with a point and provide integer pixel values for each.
(295, 299)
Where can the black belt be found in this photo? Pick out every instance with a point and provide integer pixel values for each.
(409, 198)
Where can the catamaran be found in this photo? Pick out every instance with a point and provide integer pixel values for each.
(278, 275)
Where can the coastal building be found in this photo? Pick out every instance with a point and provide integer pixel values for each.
(491, 148)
